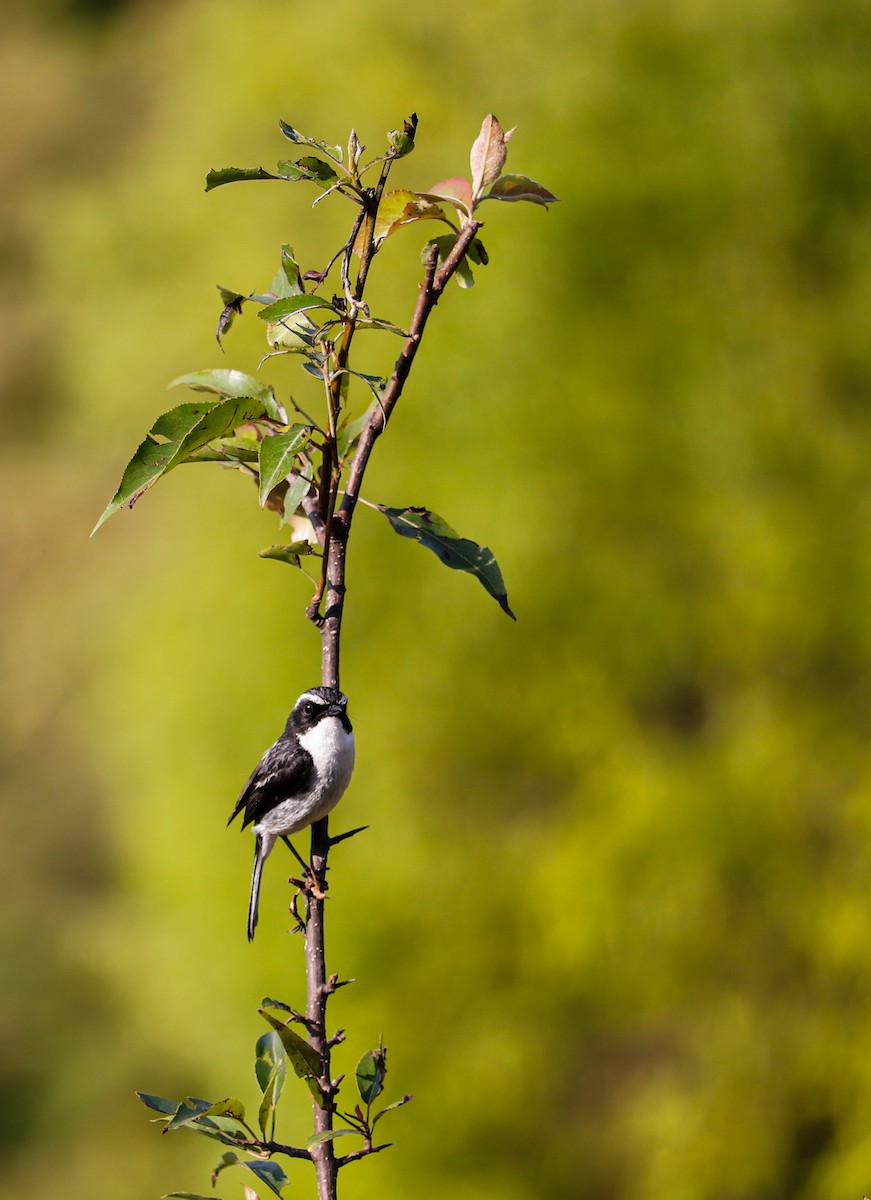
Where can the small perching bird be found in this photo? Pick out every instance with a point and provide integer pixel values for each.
(299, 779)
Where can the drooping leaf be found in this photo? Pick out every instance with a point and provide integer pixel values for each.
(158, 1103)
(269, 1173)
(233, 302)
(144, 469)
(188, 427)
(458, 553)
(234, 175)
(268, 1054)
(520, 187)
(297, 490)
(489, 152)
(370, 1074)
(303, 1058)
(271, 1094)
(228, 1159)
(278, 455)
(477, 253)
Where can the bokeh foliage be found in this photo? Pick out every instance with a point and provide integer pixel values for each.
(612, 912)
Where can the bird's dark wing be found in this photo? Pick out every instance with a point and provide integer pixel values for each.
(281, 774)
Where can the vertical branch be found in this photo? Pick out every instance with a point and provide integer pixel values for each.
(336, 528)
(318, 990)
(332, 593)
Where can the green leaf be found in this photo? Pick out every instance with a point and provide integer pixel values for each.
(445, 245)
(309, 168)
(304, 1059)
(371, 1070)
(349, 432)
(188, 1196)
(268, 1002)
(278, 455)
(188, 427)
(232, 385)
(519, 187)
(293, 135)
(158, 1103)
(289, 305)
(269, 1054)
(270, 1067)
(234, 175)
(458, 553)
(228, 1130)
(329, 1135)
(187, 1112)
(464, 275)
(297, 490)
(290, 554)
(229, 1159)
(231, 450)
(389, 1108)
(287, 281)
(271, 1094)
(270, 1173)
(489, 152)
(401, 141)
(477, 253)
(231, 1107)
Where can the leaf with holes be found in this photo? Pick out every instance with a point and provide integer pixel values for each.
(234, 175)
(458, 553)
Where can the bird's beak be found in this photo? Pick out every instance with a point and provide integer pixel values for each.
(335, 710)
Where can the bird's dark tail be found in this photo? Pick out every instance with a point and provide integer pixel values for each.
(260, 852)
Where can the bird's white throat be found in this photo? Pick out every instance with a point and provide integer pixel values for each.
(332, 750)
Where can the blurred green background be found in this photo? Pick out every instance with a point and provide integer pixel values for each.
(612, 914)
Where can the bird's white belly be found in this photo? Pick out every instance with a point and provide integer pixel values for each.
(332, 750)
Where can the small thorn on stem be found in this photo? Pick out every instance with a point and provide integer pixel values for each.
(341, 837)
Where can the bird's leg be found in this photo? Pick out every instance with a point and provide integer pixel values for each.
(296, 854)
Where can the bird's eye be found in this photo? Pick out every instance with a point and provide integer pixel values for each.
(308, 708)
